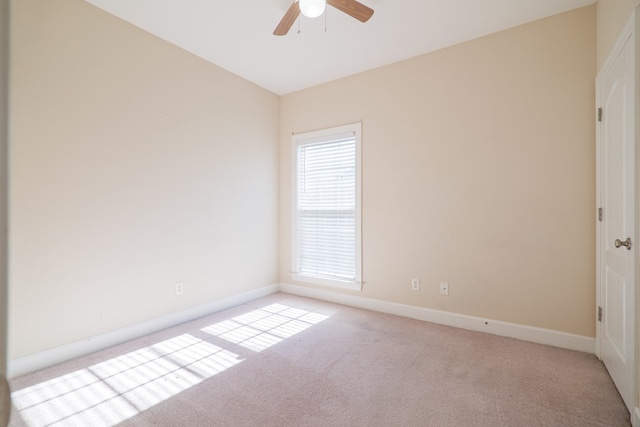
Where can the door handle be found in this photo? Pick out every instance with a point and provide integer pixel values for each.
(626, 243)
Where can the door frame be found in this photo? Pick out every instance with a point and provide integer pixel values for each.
(631, 30)
(4, 176)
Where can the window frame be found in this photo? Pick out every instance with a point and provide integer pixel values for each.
(327, 135)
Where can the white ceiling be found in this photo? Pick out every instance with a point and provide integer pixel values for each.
(237, 34)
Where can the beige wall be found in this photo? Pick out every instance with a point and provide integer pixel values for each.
(611, 17)
(135, 165)
(478, 170)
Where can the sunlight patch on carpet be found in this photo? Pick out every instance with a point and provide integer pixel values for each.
(110, 392)
(264, 327)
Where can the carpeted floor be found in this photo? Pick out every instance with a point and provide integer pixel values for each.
(290, 361)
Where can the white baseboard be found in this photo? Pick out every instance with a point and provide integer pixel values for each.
(43, 359)
(635, 418)
(495, 327)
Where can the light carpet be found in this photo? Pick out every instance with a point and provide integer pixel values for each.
(283, 361)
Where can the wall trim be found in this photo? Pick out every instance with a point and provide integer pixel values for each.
(635, 417)
(494, 327)
(46, 358)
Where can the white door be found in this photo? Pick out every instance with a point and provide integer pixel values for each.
(617, 243)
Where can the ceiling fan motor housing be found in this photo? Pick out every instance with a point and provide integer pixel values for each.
(315, 8)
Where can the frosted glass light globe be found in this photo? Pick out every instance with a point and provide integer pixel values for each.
(312, 8)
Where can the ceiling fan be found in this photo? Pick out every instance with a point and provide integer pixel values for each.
(315, 8)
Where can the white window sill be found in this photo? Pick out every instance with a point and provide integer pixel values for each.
(342, 284)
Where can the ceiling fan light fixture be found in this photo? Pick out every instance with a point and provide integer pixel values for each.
(312, 8)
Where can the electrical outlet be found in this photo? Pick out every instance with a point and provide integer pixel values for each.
(415, 284)
(179, 288)
(444, 288)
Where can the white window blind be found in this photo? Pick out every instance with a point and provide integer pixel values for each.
(327, 207)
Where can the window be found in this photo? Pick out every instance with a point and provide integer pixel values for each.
(326, 207)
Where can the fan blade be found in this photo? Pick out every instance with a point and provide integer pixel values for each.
(287, 20)
(353, 8)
